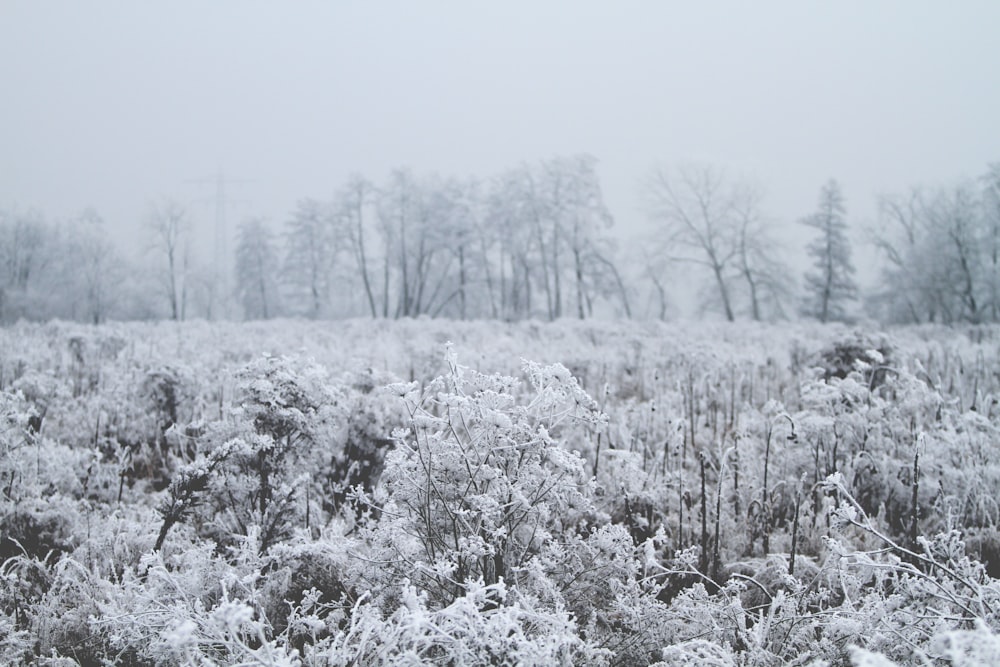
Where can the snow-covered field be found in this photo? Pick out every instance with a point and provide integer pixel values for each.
(414, 492)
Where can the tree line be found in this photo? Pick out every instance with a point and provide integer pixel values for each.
(536, 241)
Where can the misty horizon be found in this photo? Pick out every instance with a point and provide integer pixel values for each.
(115, 105)
(126, 106)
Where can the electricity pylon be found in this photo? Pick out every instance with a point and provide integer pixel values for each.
(220, 290)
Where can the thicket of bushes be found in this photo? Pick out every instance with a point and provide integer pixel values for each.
(365, 493)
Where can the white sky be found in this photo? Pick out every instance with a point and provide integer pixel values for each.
(112, 104)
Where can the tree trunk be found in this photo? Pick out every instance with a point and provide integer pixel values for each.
(362, 259)
(461, 282)
(578, 270)
(723, 292)
(752, 285)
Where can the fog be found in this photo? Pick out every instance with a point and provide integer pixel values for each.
(114, 104)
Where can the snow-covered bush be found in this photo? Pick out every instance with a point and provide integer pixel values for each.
(257, 460)
(477, 484)
(485, 625)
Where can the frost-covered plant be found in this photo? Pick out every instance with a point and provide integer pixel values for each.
(38, 479)
(192, 606)
(611, 586)
(369, 417)
(485, 625)
(715, 438)
(187, 489)
(15, 643)
(477, 484)
(40, 390)
(255, 466)
(907, 596)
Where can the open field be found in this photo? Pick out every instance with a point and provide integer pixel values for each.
(362, 492)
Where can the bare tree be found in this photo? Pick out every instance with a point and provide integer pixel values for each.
(955, 213)
(396, 208)
(991, 241)
(831, 282)
(547, 231)
(69, 270)
(429, 228)
(98, 265)
(352, 202)
(23, 259)
(309, 257)
(695, 207)
(605, 278)
(765, 277)
(512, 228)
(257, 269)
(939, 250)
(655, 268)
(904, 295)
(584, 216)
(550, 227)
(445, 244)
(458, 217)
(169, 229)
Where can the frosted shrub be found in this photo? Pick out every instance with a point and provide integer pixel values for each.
(40, 390)
(695, 652)
(968, 648)
(193, 607)
(477, 484)
(611, 586)
(15, 644)
(251, 471)
(38, 479)
(369, 417)
(903, 596)
(231, 632)
(486, 625)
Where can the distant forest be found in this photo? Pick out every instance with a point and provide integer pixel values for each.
(536, 241)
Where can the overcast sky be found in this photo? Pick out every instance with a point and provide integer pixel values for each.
(111, 104)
